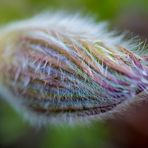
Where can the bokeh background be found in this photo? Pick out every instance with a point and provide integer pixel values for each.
(124, 15)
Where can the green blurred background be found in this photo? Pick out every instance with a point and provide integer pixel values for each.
(131, 15)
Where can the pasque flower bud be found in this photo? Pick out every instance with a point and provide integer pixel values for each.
(58, 68)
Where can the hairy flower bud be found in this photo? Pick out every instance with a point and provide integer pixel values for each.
(57, 68)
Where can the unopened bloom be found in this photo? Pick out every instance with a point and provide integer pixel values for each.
(61, 68)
